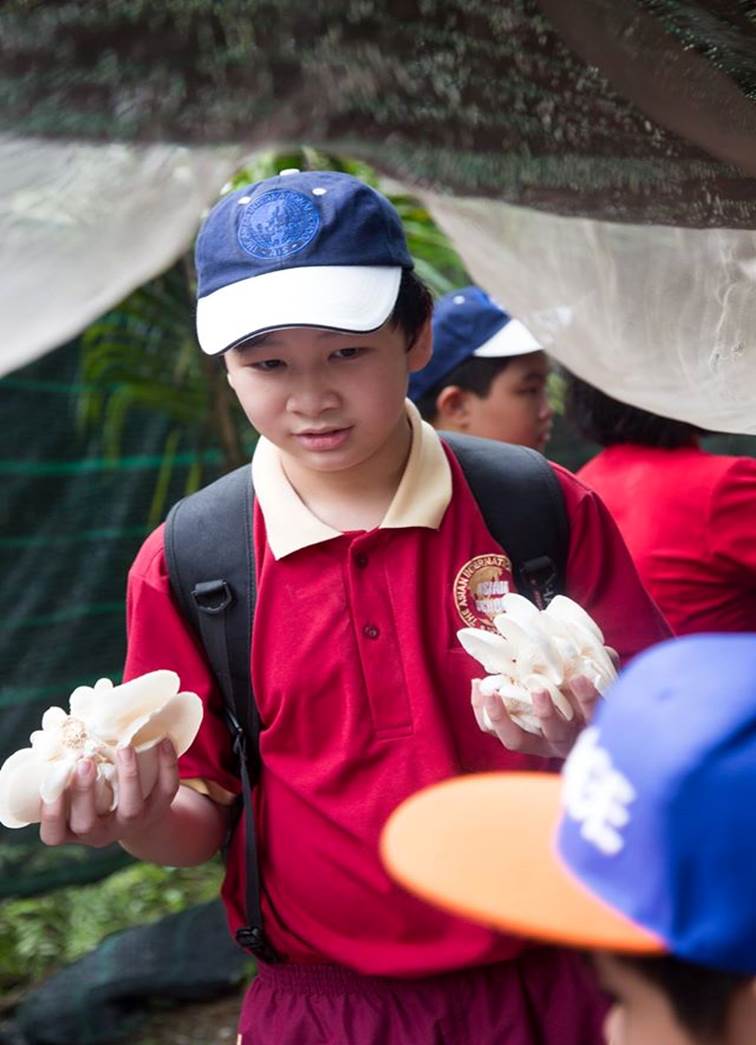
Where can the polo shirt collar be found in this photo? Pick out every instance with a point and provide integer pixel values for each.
(421, 498)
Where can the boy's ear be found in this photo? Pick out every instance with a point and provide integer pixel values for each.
(452, 407)
(421, 349)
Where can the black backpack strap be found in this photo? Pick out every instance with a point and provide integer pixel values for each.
(210, 558)
(522, 503)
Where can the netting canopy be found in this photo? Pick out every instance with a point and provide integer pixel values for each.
(619, 109)
(560, 143)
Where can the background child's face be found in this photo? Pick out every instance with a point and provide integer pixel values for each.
(516, 409)
(327, 399)
(642, 1013)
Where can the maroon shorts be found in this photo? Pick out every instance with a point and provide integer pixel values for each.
(544, 997)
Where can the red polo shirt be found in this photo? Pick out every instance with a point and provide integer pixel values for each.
(363, 691)
(689, 520)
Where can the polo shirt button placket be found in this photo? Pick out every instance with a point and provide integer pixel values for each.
(372, 612)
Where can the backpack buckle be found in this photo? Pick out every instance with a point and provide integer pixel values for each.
(541, 580)
(212, 596)
(253, 939)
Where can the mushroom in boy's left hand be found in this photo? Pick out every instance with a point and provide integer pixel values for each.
(548, 669)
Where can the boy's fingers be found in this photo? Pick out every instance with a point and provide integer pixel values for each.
(554, 726)
(130, 800)
(478, 702)
(167, 782)
(557, 733)
(53, 827)
(585, 695)
(508, 732)
(82, 816)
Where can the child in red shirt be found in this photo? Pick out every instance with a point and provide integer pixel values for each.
(366, 539)
(687, 516)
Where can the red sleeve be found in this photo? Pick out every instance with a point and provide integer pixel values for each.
(732, 521)
(601, 576)
(160, 637)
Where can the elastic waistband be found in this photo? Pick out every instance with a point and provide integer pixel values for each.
(317, 979)
(337, 979)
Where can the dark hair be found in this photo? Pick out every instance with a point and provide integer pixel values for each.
(606, 421)
(699, 997)
(476, 375)
(413, 307)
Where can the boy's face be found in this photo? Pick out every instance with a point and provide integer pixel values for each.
(328, 400)
(641, 1014)
(516, 408)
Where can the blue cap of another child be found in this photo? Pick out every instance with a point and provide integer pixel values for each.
(312, 248)
(467, 322)
(648, 842)
(659, 799)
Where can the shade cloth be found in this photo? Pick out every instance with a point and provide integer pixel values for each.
(573, 152)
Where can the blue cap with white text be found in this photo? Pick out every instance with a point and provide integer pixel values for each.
(659, 799)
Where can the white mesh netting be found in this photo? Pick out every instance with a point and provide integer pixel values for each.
(81, 225)
(657, 316)
(660, 317)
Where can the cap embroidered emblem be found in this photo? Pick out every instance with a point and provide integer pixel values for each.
(596, 794)
(278, 224)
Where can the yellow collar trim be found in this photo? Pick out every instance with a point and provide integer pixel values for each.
(421, 498)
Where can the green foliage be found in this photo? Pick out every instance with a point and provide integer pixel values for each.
(143, 356)
(557, 388)
(28, 868)
(41, 934)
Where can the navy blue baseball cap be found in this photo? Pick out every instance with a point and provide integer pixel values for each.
(312, 248)
(647, 844)
(467, 322)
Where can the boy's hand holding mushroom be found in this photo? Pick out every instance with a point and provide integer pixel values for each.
(547, 670)
(108, 769)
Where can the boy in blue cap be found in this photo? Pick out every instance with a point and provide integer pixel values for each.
(487, 376)
(368, 544)
(644, 852)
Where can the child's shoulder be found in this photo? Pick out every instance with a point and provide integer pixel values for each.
(149, 564)
(574, 489)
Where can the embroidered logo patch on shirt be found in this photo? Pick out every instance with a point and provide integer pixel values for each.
(278, 224)
(479, 588)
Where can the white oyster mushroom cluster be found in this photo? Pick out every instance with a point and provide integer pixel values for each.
(102, 719)
(534, 650)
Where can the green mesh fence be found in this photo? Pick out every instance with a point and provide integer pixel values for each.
(71, 521)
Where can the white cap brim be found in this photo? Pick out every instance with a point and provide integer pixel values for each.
(356, 298)
(514, 339)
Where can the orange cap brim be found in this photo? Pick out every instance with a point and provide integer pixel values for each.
(482, 846)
